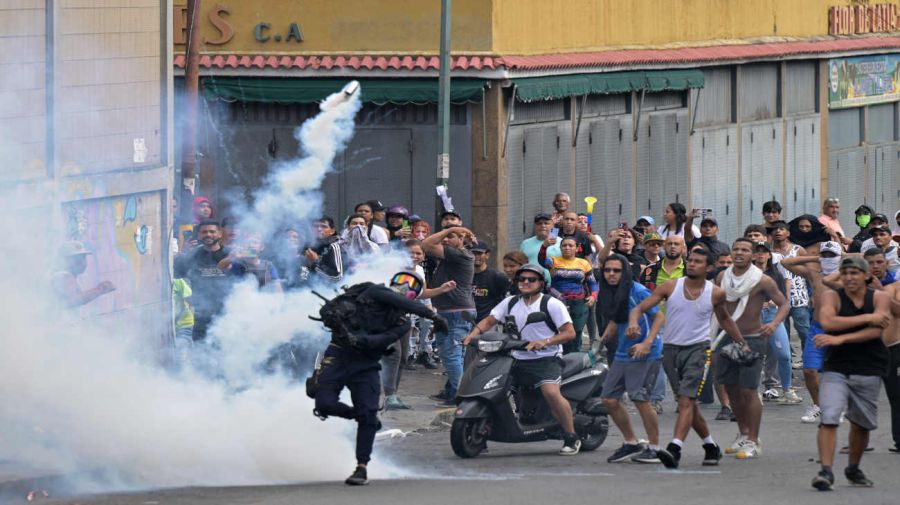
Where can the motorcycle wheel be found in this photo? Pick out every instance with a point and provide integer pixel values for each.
(595, 434)
(468, 437)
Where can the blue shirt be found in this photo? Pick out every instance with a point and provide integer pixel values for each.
(890, 278)
(638, 294)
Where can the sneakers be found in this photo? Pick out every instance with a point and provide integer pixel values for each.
(358, 478)
(657, 406)
(712, 454)
(737, 445)
(393, 402)
(724, 414)
(648, 455)
(857, 478)
(571, 446)
(813, 415)
(425, 360)
(790, 397)
(670, 456)
(823, 481)
(625, 452)
(771, 395)
(797, 365)
(750, 450)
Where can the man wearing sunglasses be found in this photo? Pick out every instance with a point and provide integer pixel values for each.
(540, 365)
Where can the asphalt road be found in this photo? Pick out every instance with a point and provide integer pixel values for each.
(428, 472)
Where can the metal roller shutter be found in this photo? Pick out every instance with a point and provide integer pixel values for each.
(714, 177)
(518, 224)
(564, 164)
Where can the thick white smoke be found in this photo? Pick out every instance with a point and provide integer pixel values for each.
(75, 398)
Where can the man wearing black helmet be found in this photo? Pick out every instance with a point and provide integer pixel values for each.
(540, 364)
(352, 358)
(398, 222)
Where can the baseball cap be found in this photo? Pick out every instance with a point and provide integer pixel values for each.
(542, 216)
(375, 205)
(879, 217)
(864, 209)
(648, 219)
(480, 246)
(883, 228)
(762, 245)
(653, 237)
(450, 213)
(73, 248)
(830, 246)
(709, 220)
(855, 262)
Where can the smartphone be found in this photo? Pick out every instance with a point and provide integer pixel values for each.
(554, 232)
(623, 225)
(704, 213)
(406, 223)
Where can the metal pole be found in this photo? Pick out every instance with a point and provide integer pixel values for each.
(443, 168)
(191, 92)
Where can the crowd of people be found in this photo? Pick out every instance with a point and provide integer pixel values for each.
(670, 304)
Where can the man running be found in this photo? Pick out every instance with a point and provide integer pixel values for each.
(690, 303)
(856, 360)
(747, 288)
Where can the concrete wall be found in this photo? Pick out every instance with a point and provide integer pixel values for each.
(86, 135)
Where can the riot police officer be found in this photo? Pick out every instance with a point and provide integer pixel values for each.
(352, 358)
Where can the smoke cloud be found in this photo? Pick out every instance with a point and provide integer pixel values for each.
(79, 397)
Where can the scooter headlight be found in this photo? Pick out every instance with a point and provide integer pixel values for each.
(489, 345)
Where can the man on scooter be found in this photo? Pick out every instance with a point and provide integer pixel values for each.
(540, 365)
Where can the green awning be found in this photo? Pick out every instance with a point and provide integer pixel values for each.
(530, 89)
(308, 90)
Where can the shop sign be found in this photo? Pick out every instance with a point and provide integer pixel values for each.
(853, 19)
(863, 80)
(218, 17)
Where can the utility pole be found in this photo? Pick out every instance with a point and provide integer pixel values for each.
(191, 99)
(443, 166)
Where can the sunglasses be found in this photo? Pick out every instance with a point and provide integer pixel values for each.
(528, 279)
(407, 280)
(612, 270)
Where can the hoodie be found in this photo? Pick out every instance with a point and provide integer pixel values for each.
(196, 209)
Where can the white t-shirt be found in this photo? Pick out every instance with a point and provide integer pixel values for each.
(665, 232)
(799, 295)
(380, 236)
(890, 254)
(535, 331)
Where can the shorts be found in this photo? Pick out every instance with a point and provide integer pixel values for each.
(857, 394)
(730, 373)
(813, 357)
(686, 366)
(637, 378)
(537, 372)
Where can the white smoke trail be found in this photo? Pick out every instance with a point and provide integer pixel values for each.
(75, 399)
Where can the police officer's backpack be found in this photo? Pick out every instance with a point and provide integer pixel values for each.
(346, 312)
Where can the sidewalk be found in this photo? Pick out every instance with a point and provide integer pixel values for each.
(16, 481)
(423, 415)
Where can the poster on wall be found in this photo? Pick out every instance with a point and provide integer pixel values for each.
(863, 80)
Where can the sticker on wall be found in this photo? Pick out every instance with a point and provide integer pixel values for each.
(140, 150)
(142, 239)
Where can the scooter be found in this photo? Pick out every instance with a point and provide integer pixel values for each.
(492, 408)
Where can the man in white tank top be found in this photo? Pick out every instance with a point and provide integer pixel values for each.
(690, 303)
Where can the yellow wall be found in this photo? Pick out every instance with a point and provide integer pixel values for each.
(508, 26)
(345, 26)
(541, 26)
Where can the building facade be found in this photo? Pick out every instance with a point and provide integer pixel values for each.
(711, 103)
(86, 138)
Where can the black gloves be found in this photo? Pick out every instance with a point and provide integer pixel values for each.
(440, 324)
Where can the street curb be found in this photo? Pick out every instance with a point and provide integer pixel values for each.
(443, 418)
(16, 491)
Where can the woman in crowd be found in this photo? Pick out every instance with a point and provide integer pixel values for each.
(572, 281)
(624, 241)
(512, 261)
(374, 233)
(675, 217)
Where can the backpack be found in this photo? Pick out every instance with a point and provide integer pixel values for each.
(345, 312)
(545, 302)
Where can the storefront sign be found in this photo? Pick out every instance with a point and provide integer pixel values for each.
(852, 19)
(863, 80)
(218, 16)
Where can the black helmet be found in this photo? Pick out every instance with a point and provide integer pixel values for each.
(533, 268)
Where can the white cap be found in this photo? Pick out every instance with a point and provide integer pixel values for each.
(830, 246)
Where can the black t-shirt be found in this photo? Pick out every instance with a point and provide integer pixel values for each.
(859, 358)
(457, 265)
(585, 246)
(209, 284)
(489, 288)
